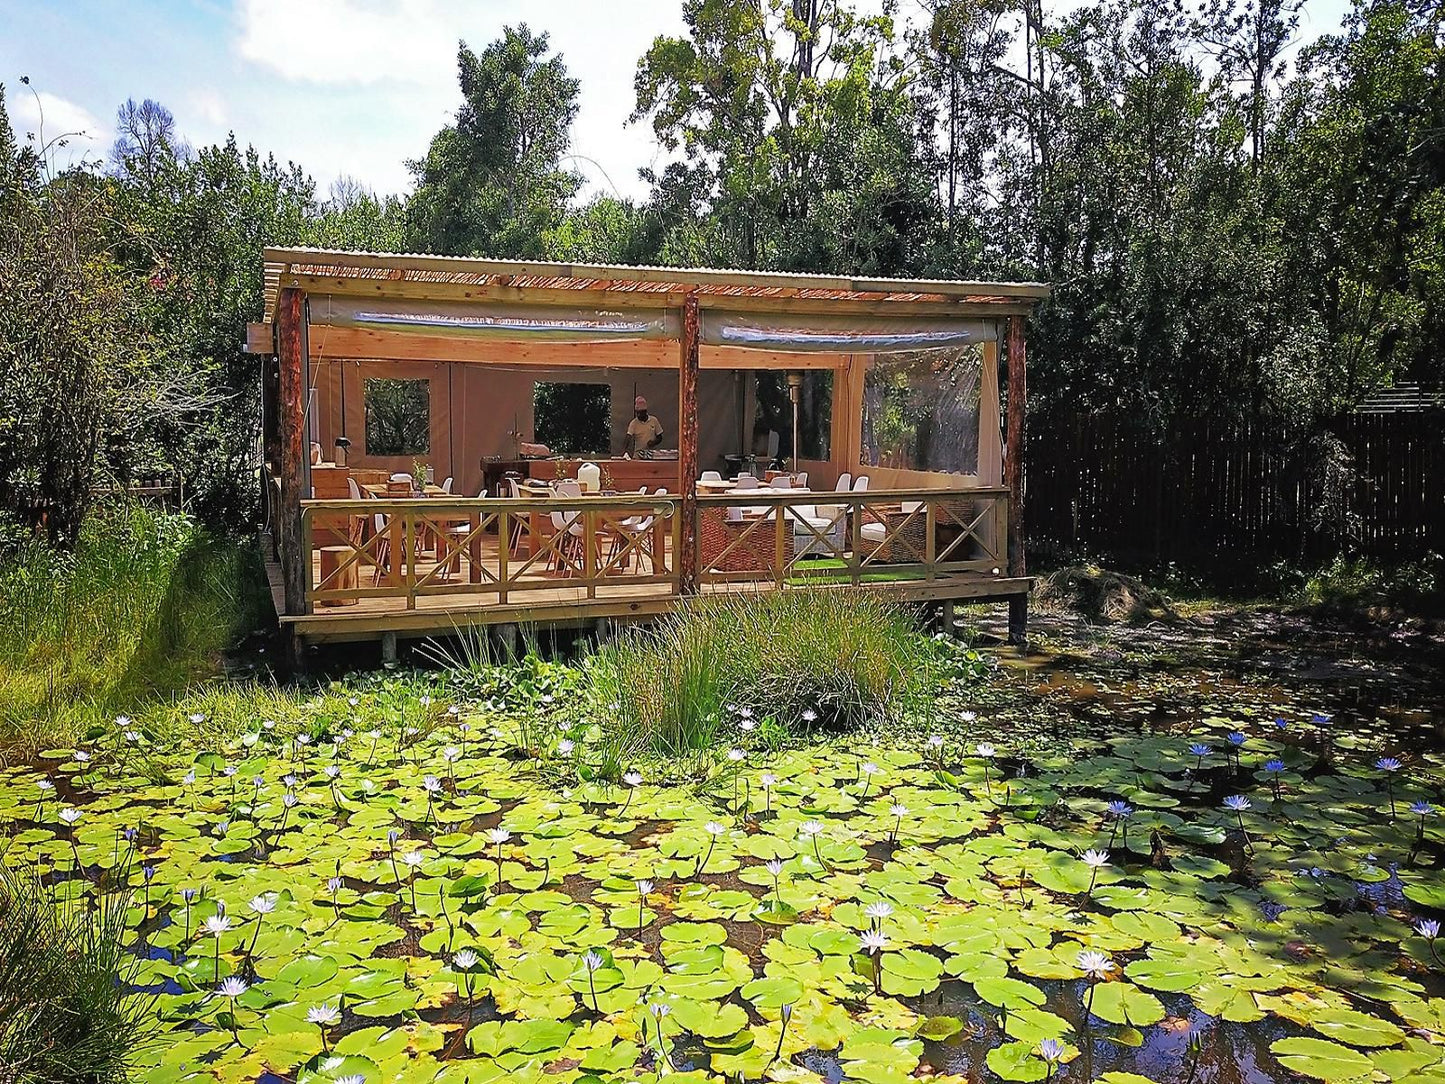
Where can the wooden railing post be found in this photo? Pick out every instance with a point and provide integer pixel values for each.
(687, 558)
(290, 338)
(1014, 475)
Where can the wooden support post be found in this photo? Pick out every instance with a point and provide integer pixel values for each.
(945, 613)
(507, 633)
(388, 648)
(1018, 607)
(291, 447)
(687, 557)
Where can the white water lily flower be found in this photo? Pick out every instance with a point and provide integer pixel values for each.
(45, 786)
(632, 779)
(432, 784)
(736, 755)
(263, 904)
(351, 1078)
(249, 740)
(874, 940)
(898, 810)
(747, 726)
(332, 771)
(768, 779)
(323, 1015)
(498, 835)
(644, 886)
(935, 741)
(82, 757)
(268, 724)
(878, 910)
(1094, 963)
(592, 960)
(122, 721)
(986, 750)
(232, 987)
(412, 859)
(774, 866)
(217, 924)
(451, 754)
(70, 816)
(659, 1009)
(810, 828)
(869, 768)
(969, 716)
(465, 960)
(713, 828)
(565, 747)
(809, 715)
(198, 717)
(1096, 859)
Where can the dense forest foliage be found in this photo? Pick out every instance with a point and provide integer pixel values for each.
(1236, 225)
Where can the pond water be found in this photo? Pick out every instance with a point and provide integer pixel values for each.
(878, 909)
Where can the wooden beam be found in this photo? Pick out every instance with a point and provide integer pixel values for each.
(497, 292)
(687, 445)
(1014, 473)
(292, 446)
(260, 339)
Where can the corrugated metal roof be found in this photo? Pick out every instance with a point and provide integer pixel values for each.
(286, 266)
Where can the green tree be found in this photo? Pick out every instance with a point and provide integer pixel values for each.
(803, 149)
(493, 183)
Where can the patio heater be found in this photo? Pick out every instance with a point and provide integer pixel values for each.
(795, 393)
(343, 444)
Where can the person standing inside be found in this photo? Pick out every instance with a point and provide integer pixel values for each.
(644, 431)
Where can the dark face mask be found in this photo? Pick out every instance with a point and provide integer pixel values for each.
(642, 415)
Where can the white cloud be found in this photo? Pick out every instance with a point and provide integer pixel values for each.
(348, 41)
(49, 118)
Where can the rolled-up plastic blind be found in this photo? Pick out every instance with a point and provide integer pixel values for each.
(841, 334)
(497, 322)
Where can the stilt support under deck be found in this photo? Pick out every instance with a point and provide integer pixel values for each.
(1018, 619)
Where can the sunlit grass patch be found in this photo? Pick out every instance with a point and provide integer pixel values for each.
(142, 609)
(826, 658)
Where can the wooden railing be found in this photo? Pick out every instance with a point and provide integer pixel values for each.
(502, 550)
(792, 538)
(411, 548)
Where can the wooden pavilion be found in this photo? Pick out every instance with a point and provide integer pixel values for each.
(384, 367)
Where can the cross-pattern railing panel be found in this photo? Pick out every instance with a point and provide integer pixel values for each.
(412, 548)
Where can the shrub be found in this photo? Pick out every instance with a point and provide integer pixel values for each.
(847, 656)
(67, 1013)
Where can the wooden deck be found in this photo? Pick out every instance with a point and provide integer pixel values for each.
(408, 580)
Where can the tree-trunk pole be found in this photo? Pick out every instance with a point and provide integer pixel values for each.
(687, 445)
(291, 440)
(1014, 473)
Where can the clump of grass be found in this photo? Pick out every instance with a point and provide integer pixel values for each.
(829, 658)
(142, 608)
(67, 1010)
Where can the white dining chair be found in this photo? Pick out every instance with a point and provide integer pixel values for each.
(801, 479)
(447, 485)
(710, 476)
(567, 555)
(782, 481)
(860, 484)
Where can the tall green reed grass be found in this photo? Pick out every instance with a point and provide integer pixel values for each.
(68, 1011)
(842, 657)
(143, 607)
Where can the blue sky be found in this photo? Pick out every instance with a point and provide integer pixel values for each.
(343, 87)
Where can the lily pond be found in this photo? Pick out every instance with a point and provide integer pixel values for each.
(1205, 854)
